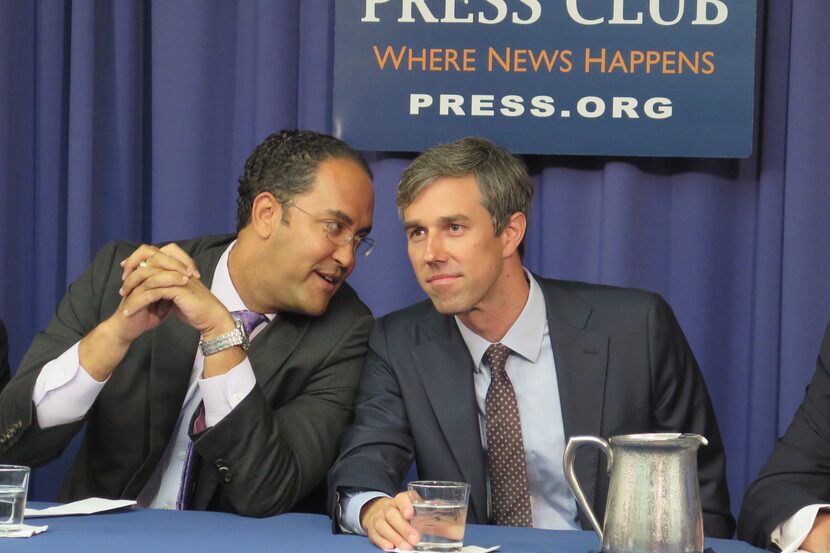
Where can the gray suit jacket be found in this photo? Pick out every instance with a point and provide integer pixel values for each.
(266, 455)
(798, 473)
(623, 366)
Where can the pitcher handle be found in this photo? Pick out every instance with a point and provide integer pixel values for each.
(574, 444)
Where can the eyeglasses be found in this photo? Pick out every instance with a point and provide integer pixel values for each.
(341, 234)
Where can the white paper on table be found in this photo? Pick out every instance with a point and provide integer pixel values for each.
(83, 507)
(465, 549)
(25, 531)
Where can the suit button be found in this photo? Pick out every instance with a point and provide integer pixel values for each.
(224, 470)
(225, 474)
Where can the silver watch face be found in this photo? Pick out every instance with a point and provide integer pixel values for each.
(240, 326)
(236, 337)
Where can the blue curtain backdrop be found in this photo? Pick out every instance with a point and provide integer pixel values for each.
(132, 119)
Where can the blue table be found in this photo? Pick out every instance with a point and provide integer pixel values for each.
(156, 531)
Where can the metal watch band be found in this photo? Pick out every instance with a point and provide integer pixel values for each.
(236, 337)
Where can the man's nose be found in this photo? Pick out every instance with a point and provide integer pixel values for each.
(345, 254)
(434, 249)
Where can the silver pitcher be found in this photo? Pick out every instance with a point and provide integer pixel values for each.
(653, 497)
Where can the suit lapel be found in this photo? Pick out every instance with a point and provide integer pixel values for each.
(581, 359)
(275, 343)
(446, 371)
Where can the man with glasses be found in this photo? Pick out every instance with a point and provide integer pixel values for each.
(215, 373)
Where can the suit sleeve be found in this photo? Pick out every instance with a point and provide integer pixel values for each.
(377, 449)
(798, 473)
(78, 313)
(266, 459)
(682, 404)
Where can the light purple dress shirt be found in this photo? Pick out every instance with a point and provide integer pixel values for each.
(64, 392)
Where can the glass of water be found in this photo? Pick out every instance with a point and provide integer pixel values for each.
(440, 514)
(14, 483)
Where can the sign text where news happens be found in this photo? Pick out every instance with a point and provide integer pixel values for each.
(612, 77)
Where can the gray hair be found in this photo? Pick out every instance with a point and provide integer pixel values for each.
(503, 181)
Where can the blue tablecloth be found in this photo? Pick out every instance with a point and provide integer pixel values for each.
(156, 531)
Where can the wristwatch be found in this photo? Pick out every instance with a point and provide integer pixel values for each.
(236, 337)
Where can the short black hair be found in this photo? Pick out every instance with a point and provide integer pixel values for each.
(285, 164)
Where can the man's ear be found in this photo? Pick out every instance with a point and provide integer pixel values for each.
(266, 214)
(513, 234)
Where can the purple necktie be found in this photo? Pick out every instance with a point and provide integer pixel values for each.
(250, 320)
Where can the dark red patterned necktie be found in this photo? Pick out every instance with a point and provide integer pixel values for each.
(509, 489)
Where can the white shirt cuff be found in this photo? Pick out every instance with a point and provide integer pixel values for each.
(223, 392)
(64, 391)
(350, 505)
(791, 533)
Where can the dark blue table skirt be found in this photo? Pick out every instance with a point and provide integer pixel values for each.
(156, 531)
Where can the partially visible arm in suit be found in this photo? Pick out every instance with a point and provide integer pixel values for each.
(5, 371)
(377, 449)
(798, 473)
(273, 458)
(79, 313)
(681, 404)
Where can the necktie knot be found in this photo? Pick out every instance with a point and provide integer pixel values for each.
(250, 319)
(496, 357)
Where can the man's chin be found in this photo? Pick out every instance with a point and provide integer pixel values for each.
(447, 306)
(317, 310)
(311, 308)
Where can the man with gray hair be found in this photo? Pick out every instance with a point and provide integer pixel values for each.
(485, 382)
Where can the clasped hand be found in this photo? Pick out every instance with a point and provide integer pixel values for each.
(157, 281)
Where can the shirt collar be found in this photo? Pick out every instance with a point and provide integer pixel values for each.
(525, 335)
(223, 288)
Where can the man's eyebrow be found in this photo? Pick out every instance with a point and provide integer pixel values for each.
(445, 220)
(343, 217)
(340, 216)
(456, 218)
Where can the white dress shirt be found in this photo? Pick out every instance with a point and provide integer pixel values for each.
(532, 371)
(791, 533)
(64, 392)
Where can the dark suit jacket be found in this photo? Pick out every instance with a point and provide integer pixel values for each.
(268, 453)
(623, 366)
(5, 372)
(798, 473)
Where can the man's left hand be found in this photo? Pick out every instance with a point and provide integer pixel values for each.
(148, 274)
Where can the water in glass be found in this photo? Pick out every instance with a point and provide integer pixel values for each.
(12, 505)
(440, 523)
